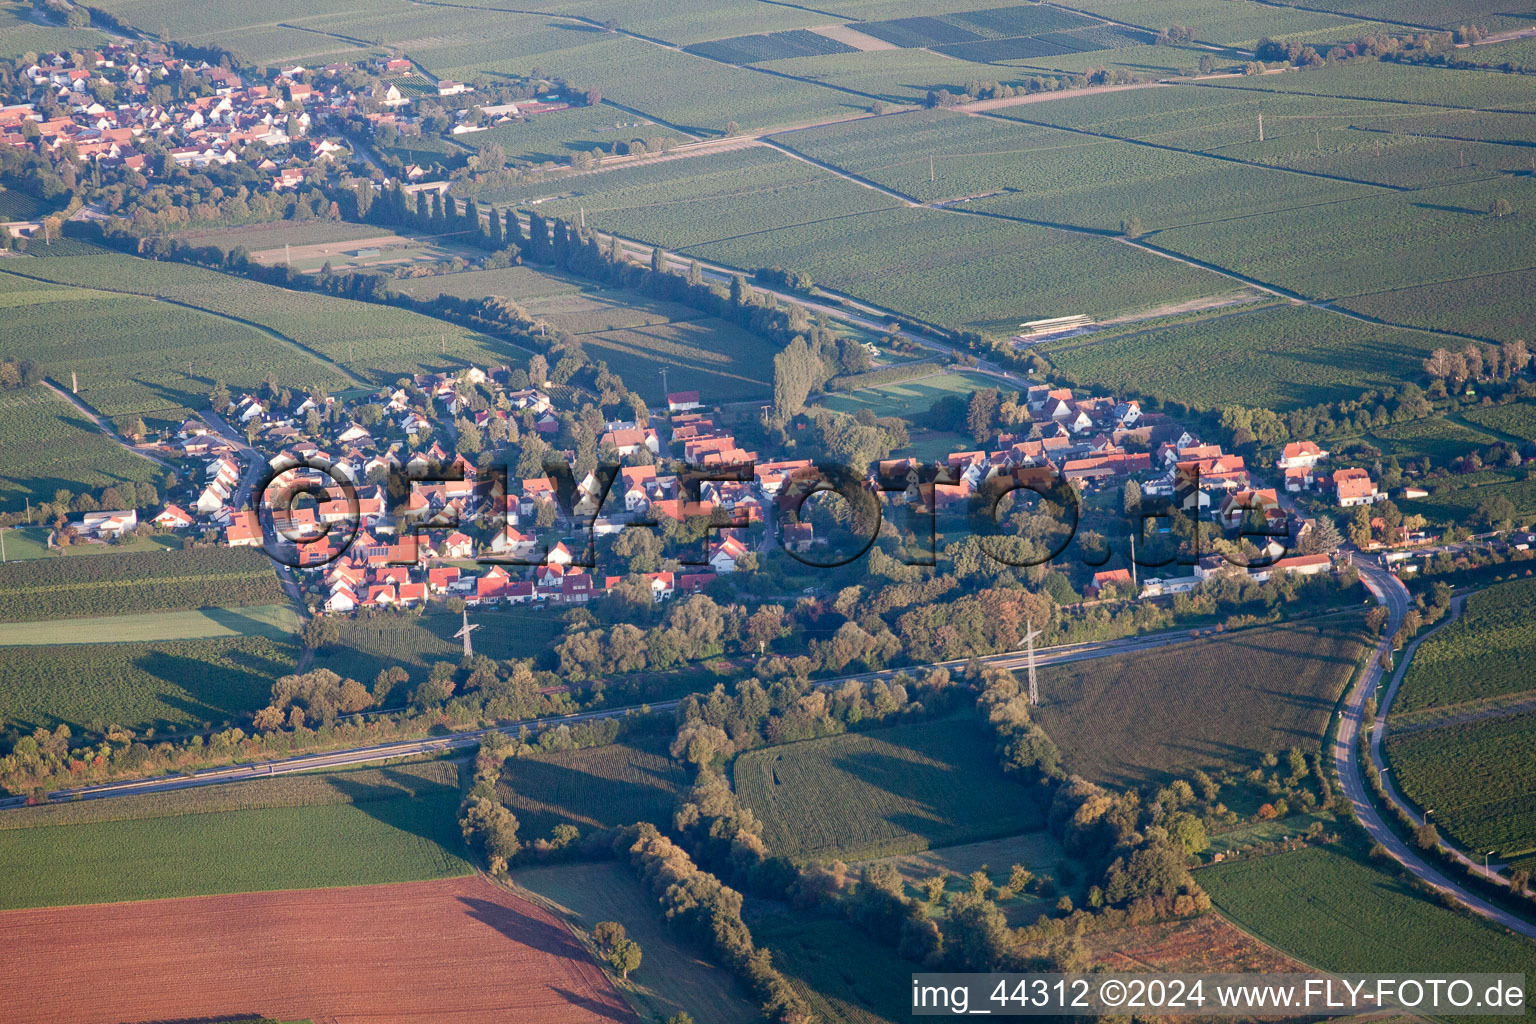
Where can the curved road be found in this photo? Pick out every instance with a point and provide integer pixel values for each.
(439, 744)
(1389, 591)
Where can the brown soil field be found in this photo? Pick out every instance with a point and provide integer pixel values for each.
(1204, 944)
(458, 950)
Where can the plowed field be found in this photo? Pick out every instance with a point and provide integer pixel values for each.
(459, 950)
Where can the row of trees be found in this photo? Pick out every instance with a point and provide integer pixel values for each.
(709, 913)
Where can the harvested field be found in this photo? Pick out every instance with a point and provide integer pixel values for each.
(458, 950)
(850, 36)
(1208, 943)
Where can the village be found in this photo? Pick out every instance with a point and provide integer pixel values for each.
(127, 108)
(393, 515)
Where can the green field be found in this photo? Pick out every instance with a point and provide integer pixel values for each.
(721, 361)
(50, 446)
(900, 76)
(374, 826)
(600, 787)
(1441, 440)
(378, 342)
(162, 684)
(1339, 913)
(1517, 420)
(1479, 779)
(136, 583)
(1278, 357)
(21, 32)
(703, 199)
(633, 334)
(1461, 504)
(132, 354)
(844, 975)
(1037, 851)
(276, 234)
(1057, 177)
(520, 284)
(369, 645)
(1493, 306)
(1211, 703)
(888, 791)
(1372, 244)
(908, 398)
(554, 136)
(1231, 23)
(671, 977)
(970, 271)
(274, 621)
(1481, 654)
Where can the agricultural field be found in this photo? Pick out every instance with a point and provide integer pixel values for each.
(633, 334)
(1438, 439)
(1280, 357)
(369, 645)
(900, 76)
(21, 31)
(156, 685)
(275, 622)
(1208, 943)
(460, 949)
(884, 792)
(137, 356)
(1493, 306)
(1461, 504)
(1049, 175)
(844, 975)
(16, 205)
(373, 838)
(50, 446)
(1037, 851)
(309, 333)
(520, 284)
(1401, 83)
(600, 787)
(1482, 654)
(704, 199)
(1195, 118)
(1516, 420)
(276, 234)
(672, 978)
(417, 780)
(1372, 244)
(681, 90)
(721, 361)
(606, 309)
(383, 252)
(910, 397)
(969, 271)
(1216, 703)
(1239, 23)
(555, 135)
(1337, 912)
(1477, 777)
(771, 46)
(133, 584)
(1141, 60)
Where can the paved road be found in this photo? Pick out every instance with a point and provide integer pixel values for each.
(440, 744)
(1389, 591)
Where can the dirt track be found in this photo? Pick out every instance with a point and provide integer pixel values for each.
(455, 950)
